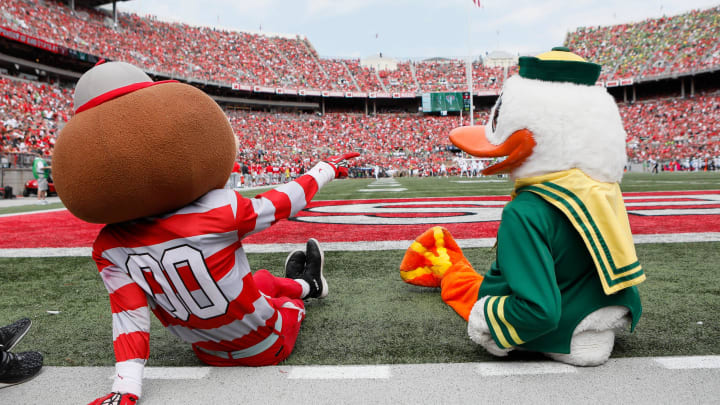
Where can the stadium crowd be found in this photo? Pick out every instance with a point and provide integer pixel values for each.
(208, 54)
(658, 46)
(674, 44)
(679, 134)
(667, 131)
(442, 75)
(31, 113)
(394, 142)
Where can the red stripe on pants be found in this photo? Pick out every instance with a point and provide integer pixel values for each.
(282, 291)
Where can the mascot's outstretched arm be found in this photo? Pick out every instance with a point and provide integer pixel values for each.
(132, 344)
(287, 200)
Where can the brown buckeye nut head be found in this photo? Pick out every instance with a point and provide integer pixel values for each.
(144, 153)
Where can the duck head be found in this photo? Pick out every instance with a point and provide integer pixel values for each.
(551, 117)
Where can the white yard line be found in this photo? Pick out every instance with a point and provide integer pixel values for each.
(633, 380)
(339, 372)
(172, 373)
(689, 362)
(387, 371)
(494, 369)
(373, 190)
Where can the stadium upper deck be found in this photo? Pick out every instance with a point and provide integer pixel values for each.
(654, 47)
(662, 129)
(665, 46)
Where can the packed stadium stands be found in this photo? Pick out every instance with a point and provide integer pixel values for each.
(666, 130)
(675, 128)
(401, 79)
(653, 47)
(30, 115)
(392, 141)
(676, 44)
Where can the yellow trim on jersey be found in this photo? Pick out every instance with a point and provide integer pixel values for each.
(511, 329)
(598, 214)
(494, 324)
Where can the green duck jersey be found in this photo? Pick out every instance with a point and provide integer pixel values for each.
(543, 281)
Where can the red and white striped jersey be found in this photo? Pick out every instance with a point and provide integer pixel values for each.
(190, 268)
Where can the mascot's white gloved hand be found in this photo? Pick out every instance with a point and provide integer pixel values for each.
(330, 168)
(480, 332)
(336, 161)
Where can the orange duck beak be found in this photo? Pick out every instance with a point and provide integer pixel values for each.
(517, 147)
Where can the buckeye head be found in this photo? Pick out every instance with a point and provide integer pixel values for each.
(136, 148)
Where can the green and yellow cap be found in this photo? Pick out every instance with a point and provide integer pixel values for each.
(559, 65)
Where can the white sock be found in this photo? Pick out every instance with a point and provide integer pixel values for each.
(305, 286)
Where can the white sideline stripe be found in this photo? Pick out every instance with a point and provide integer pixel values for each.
(362, 246)
(174, 373)
(489, 369)
(365, 190)
(495, 369)
(33, 212)
(339, 372)
(677, 237)
(46, 252)
(690, 362)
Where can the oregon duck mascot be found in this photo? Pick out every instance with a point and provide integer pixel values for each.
(565, 275)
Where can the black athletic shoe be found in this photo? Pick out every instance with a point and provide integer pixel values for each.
(295, 264)
(10, 335)
(16, 368)
(314, 262)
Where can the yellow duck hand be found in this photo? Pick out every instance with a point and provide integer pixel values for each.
(429, 257)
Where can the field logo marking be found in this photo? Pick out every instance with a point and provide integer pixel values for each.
(692, 204)
(444, 211)
(406, 213)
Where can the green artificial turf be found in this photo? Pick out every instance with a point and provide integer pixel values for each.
(370, 316)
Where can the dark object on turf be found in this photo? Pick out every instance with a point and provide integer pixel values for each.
(313, 274)
(16, 368)
(295, 264)
(7, 192)
(308, 266)
(11, 334)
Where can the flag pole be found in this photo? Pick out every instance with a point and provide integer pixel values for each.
(468, 62)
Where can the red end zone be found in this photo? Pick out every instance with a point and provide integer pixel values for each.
(389, 220)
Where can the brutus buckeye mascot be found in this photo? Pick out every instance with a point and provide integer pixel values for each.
(565, 275)
(150, 160)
